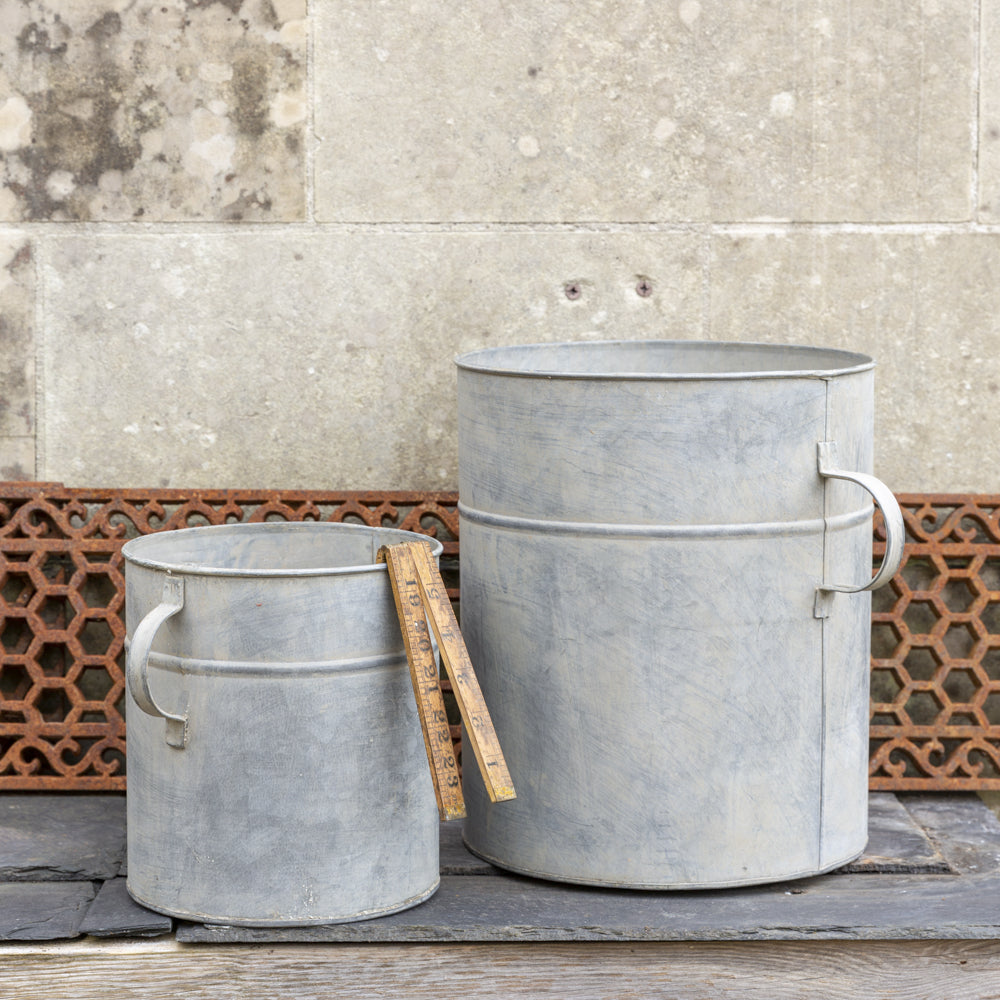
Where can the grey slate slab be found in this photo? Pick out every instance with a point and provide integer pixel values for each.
(507, 908)
(477, 901)
(114, 913)
(456, 858)
(51, 844)
(61, 836)
(962, 827)
(896, 843)
(43, 911)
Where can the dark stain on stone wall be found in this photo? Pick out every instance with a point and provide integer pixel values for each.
(20, 260)
(15, 473)
(93, 101)
(268, 11)
(233, 6)
(250, 91)
(86, 145)
(15, 393)
(250, 204)
(105, 28)
(39, 39)
(8, 338)
(73, 117)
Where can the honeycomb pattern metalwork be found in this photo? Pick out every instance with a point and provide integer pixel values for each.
(62, 627)
(935, 715)
(935, 683)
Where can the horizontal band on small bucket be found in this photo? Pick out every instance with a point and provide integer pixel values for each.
(297, 668)
(666, 531)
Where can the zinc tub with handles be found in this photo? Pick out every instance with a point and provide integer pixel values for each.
(276, 768)
(666, 559)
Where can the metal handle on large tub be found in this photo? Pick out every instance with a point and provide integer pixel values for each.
(137, 660)
(895, 532)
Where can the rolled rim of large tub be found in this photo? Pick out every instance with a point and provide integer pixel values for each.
(185, 550)
(663, 360)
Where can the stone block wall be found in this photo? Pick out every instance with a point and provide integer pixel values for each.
(241, 241)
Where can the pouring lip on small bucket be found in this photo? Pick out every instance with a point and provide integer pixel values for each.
(557, 360)
(154, 551)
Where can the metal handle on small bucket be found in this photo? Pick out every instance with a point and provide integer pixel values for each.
(137, 660)
(895, 532)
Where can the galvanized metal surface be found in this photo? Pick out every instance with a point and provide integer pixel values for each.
(614, 653)
(276, 765)
(935, 716)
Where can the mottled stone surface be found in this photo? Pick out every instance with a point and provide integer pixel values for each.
(325, 360)
(925, 306)
(668, 138)
(989, 113)
(17, 322)
(17, 458)
(17, 356)
(115, 110)
(316, 361)
(548, 111)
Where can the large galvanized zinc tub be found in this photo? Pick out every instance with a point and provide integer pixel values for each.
(276, 769)
(666, 548)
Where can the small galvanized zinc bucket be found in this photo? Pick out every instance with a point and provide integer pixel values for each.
(277, 773)
(666, 552)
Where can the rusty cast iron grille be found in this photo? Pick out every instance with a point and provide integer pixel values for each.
(935, 717)
(62, 589)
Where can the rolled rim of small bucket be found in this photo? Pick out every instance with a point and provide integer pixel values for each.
(582, 359)
(143, 551)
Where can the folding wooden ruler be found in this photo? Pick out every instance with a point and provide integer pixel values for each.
(421, 597)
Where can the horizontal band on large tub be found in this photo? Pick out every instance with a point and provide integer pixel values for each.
(264, 668)
(603, 530)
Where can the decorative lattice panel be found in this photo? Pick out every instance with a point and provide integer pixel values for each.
(62, 626)
(935, 629)
(935, 721)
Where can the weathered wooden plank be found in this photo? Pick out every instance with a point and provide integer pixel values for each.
(42, 911)
(114, 913)
(507, 908)
(961, 826)
(915, 970)
(51, 837)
